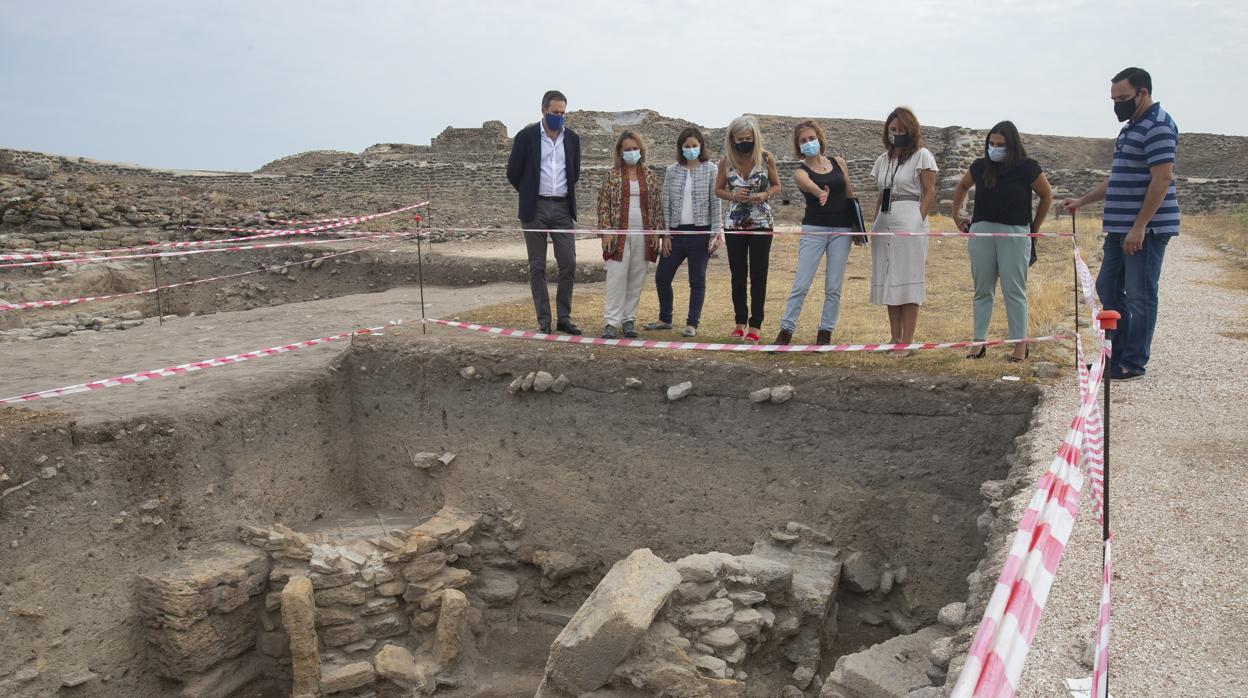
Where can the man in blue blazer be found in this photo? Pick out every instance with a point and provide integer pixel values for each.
(544, 166)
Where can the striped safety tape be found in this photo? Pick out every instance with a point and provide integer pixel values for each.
(317, 228)
(998, 652)
(774, 232)
(231, 248)
(718, 346)
(261, 234)
(87, 299)
(183, 369)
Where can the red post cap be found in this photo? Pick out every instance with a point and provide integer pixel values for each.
(416, 218)
(1109, 319)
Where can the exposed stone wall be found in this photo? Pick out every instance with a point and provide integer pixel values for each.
(464, 170)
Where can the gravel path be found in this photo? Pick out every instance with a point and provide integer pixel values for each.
(1179, 509)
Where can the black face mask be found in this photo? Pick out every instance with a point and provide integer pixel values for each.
(900, 140)
(744, 147)
(1126, 109)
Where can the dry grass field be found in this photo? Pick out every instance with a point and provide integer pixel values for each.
(945, 318)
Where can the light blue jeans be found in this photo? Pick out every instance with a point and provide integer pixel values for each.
(810, 249)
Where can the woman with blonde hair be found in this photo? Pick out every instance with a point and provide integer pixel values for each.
(905, 176)
(747, 179)
(630, 199)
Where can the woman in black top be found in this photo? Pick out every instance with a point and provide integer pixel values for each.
(1004, 180)
(826, 229)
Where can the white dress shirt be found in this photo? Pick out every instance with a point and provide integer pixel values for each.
(553, 179)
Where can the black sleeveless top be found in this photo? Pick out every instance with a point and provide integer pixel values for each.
(835, 213)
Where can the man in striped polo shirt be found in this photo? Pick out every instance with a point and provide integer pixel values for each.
(1141, 215)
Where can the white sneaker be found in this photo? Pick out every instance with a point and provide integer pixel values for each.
(689, 331)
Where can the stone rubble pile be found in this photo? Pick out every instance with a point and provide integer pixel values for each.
(81, 323)
(356, 609)
(702, 625)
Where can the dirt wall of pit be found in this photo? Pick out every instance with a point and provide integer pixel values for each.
(888, 465)
(70, 557)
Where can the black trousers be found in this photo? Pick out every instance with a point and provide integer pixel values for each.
(748, 257)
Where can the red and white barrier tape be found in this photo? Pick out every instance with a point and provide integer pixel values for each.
(86, 299)
(232, 248)
(310, 221)
(999, 650)
(1100, 664)
(182, 369)
(262, 234)
(717, 346)
(775, 232)
(316, 228)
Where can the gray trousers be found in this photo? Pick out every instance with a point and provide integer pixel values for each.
(551, 215)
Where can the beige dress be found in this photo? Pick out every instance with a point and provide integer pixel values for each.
(897, 263)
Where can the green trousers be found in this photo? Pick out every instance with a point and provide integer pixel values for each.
(1004, 259)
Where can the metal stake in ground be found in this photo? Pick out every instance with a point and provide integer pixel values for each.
(160, 308)
(420, 275)
(1074, 263)
(1109, 322)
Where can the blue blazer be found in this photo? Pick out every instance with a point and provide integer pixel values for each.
(524, 167)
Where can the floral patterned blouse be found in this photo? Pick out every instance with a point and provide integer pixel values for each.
(743, 215)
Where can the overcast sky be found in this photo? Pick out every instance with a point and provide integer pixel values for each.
(234, 84)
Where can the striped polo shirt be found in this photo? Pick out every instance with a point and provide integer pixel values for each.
(1152, 140)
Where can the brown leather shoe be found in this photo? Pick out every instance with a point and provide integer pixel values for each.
(785, 337)
(824, 337)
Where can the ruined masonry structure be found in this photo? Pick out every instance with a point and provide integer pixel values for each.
(463, 170)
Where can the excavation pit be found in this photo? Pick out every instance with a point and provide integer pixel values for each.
(226, 504)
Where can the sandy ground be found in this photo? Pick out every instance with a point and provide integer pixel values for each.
(1178, 509)
(52, 363)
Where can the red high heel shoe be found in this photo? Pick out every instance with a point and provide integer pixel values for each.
(752, 336)
(737, 333)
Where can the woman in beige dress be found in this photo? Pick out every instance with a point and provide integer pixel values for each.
(905, 177)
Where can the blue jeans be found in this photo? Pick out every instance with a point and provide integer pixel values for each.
(811, 249)
(695, 248)
(1129, 284)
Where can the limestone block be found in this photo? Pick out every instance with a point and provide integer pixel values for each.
(706, 614)
(346, 677)
(197, 609)
(611, 622)
(386, 624)
(339, 635)
(449, 526)
(892, 668)
(860, 573)
(452, 631)
(702, 567)
(398, 665)
(497, 588)
(299, 620)
(758, 573)
(816, 574)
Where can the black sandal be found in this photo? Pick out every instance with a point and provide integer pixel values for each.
(1015, 360)
(983, 350)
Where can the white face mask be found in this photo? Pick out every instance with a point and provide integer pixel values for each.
(632, 157)
(996, 153)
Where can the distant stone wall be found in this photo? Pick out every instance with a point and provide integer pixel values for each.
(477, 189)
